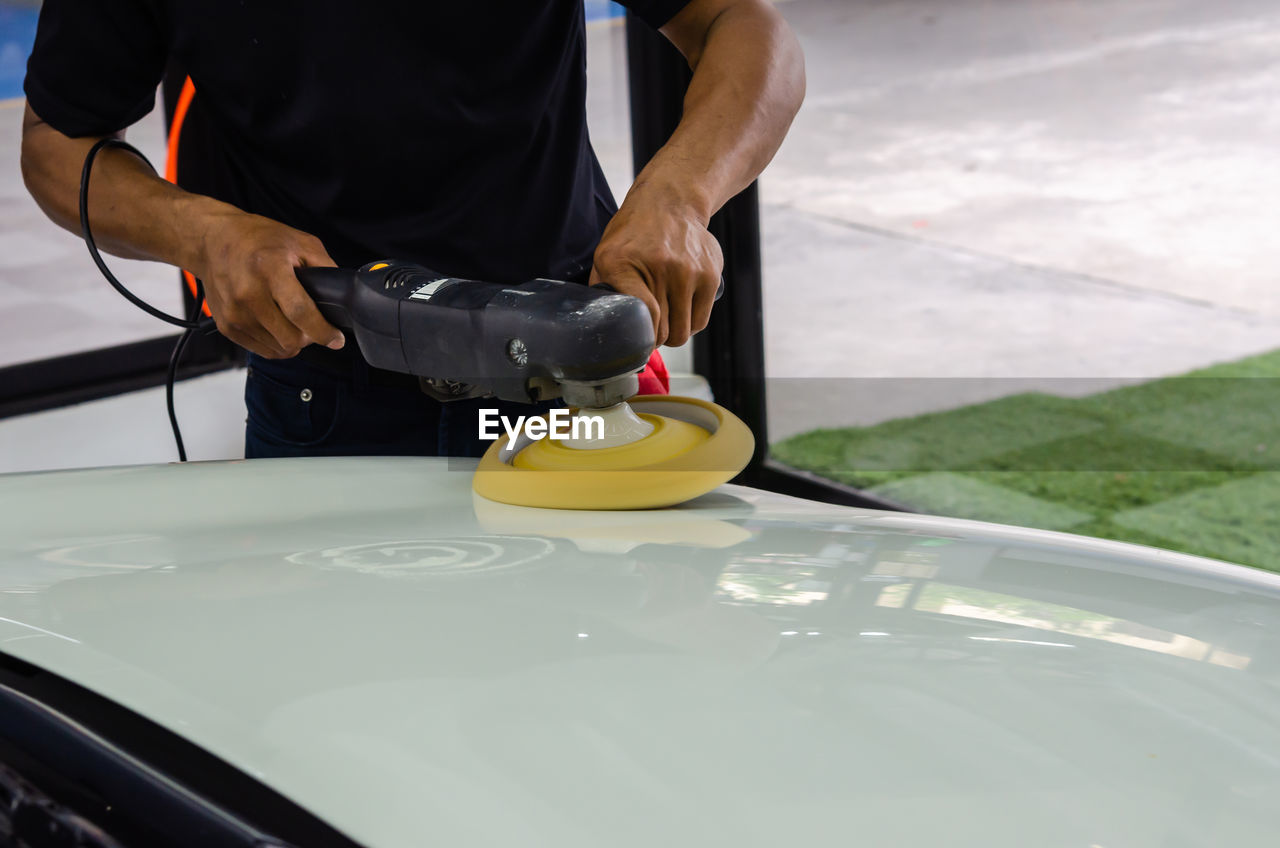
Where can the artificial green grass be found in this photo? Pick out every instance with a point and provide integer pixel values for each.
(1190, 463)
(1238, 521)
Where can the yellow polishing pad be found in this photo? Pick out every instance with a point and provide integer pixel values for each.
(695, 446)
(670, 438)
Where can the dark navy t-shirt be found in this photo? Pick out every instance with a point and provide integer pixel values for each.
(451, 134)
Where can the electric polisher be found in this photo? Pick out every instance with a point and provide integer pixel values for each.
(540, 341)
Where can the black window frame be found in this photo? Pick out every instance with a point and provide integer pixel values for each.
(93, 374)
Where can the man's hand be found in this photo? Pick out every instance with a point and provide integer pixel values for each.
(253, 292)
(663, 255)
(748, 81)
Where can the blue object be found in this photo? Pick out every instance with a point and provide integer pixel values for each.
(598, 10)
(17, 34)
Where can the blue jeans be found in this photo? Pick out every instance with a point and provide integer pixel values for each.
(298, 408)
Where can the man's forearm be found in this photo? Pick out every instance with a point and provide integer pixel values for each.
(748, 83)
(247, 262)
(135, 214)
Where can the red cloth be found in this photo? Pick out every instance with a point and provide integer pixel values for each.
(654, 379)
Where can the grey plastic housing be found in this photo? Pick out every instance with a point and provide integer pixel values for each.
(515, 342)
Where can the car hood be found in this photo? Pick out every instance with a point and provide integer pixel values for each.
(415, 665)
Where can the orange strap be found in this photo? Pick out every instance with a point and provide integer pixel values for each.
(185, 97)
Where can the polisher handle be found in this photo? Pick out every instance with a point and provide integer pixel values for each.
(364, 301)
(333, 290)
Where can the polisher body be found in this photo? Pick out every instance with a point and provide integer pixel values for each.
(536, 341)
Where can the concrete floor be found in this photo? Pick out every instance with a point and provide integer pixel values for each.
(979, 197)
(1054, 194)
(52, 299)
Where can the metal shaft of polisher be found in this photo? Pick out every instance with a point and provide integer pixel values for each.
(607, 401)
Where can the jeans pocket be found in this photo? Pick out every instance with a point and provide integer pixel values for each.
(290, 409)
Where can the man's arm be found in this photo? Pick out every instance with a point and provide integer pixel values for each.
(748, 82)
(245, 261)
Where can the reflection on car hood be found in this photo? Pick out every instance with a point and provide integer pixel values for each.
(412, 664)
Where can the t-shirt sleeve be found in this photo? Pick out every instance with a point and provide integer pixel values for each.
(95, 65)
(655, 12)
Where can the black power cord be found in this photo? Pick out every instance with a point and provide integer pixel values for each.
(189, 325)
(171, 375)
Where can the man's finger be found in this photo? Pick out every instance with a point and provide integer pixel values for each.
(267, 319)
(704, 299)
(630, 282)
(679, 303)
(298, 307)
(240, 325)
(269, 350)
(256, 340)
(283, 333)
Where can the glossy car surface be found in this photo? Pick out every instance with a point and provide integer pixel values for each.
(417, 667)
